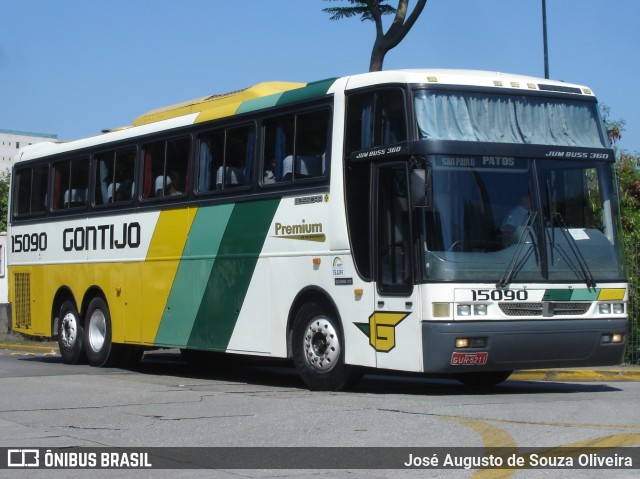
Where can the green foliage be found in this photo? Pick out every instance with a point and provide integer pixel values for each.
(361, 8)
(629, 178)
(629, 188)
(4, 200)
(614, 127)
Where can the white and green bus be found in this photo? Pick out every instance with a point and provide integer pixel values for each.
(447, 222)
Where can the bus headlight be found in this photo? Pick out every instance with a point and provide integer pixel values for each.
(464, 310)
(609, 308)
(480, 309)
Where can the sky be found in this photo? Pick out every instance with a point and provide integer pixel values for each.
(75, 67)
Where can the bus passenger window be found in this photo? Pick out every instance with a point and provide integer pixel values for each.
(238, 157)
(226, 158)
(32, 187)
(70, 183)
(115, 176)
(278, 150)
(210, 161)
(311, 144)
(296, 147)
(166, 168)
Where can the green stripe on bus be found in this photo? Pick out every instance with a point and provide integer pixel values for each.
(231, 274)
(195, 267)
(312, 90)
(570, 295)
(258, 103)
(585, 294)
(557, 295)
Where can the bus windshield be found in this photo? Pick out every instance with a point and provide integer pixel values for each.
(516, 119)
(509, 219)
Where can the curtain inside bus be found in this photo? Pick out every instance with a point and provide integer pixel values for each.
(507, 119)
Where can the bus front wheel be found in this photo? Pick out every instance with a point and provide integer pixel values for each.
(318, 351)
(70, 334)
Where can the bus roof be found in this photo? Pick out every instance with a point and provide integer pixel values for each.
(479, 78)
(216, 106)
(268, 94)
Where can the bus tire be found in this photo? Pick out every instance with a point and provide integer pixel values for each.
(101, 351)
(485, 379)
(318, 351)
(71, 334)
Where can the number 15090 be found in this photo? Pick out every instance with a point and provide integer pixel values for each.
(500, 295)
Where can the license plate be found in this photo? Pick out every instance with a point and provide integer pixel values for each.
(469, 359)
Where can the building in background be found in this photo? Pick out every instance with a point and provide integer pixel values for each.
(11, 141)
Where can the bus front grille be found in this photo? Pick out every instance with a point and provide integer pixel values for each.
(23, 300)
(545, 309)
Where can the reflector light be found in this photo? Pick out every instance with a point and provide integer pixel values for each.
(441, 310)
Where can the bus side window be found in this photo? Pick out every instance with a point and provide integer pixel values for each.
(115, 176)
(32, 186)
(166, 168)
(312, 131)
(296, 147)
(226, 158)
(70, 183)
(210, 161)
(278, 150)
(238, 157)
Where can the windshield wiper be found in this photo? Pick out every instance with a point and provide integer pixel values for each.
(587, 277)
(511, 266)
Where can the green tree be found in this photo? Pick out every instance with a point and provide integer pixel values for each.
(4, 200)
(629, 187)
(614, 127)
(373, 10)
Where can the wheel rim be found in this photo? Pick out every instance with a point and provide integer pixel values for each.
(321, 345)
(69, 330)
(97, 330)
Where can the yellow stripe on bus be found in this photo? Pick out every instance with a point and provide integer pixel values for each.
(611, 294)
(159, 269)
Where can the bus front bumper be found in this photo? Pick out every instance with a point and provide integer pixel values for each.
(510, 345)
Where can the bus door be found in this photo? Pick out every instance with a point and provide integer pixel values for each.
(394, 325)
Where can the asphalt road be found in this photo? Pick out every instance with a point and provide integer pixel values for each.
(257, 403)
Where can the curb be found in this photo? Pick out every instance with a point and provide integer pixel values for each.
(577, 375)
(49, 348)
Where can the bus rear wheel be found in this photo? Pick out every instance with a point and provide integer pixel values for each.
(318, 351)
(70, 334)
(100, 349)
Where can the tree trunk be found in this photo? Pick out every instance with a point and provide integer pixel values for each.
(377, 58)
(396, 33)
